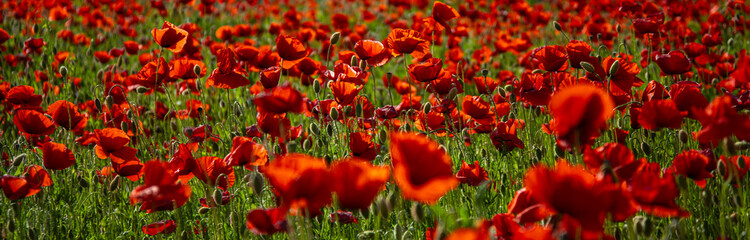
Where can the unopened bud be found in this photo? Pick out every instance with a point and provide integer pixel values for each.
(358, 110)
(63, 71)
(417, 212)
(114, 184)
(613, 69)
(335, 38)
(109, 100)
(683, 136)
(741, 145)
(203, 210)
(728, 144)
(334, 113)
(217, 195)
(646, 148)
(485, 72)
(19, 159)
(353, 61)
(316, 86)
(588, 67)
(557, 25)
(426, 108)
(197, 70)
(314, 129)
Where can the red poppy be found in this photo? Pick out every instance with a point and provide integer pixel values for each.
(33, 122)
(184, 68)
(656, 195)
(344, 92)
(267, 221)
(575, 192)
(442, 12)
(719, 120)
(373, 52)
(276, 125)
(33, 45)
(209, 168)
(424, 175)
(407, 41)
(504, 136)
(35, 177)
(160, 227)
(624, 79)
(4, 36)
(688, 97)
(290, 49)
(131, 47)
(357, 182)
(476, 107)
(507, 228)
(675, 62)
(472, 174)
(57, 156)
(654, 91)
(111, 144)
(580, 51)
(269, 77)
(534, 88)
(659, 114)
(102, 56)
(648, 24)
(225, 76)
(362, 146)
(245, 152)
(170, 37)
(579, 113)
(160, 190)
(482, 232)
(615, 155)
(737, 167)
(426, 71)
(691, 164)
(280, 99)
(550, 58)
(66, 115)
(23, 97)
(303, 182)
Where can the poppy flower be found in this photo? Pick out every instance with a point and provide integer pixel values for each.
(574, 192)
(170, 37)
(160, 190)
(290, 49)
(131, 47)
(66, 115)
(476, 107)
(267, 221)
(343, 217)
(276, 125)
(23, 97)
(373, 52)
(362, 146)
(407, 41)
(4, 36)
(424, 175)
(184, 68)
(691, 164)
(688, 97)
(209, 168)
(507, 228)
(303, 182)
(624, 79)
(673, 63)
(580, 51)
(224, 76)
(648, 24)
(472, 174)
(504, 137)
(442, 12)
(654, 91)
(33, 45)
(269, 77)
(656, 195)
(344, 92)
(245, 152)
(618, 156)
(280, 99)
(35, 177)
(357, 182)
(719, 120)
(534, 88)
(426, 71)
(57, 156)
(550, 58)
(111, 144)
(658, 114)
(580, 113)
(160, 227)
(481, 232)
(737, 167)
(33, 122)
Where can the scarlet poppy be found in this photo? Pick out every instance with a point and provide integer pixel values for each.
(622, 81)
(482, 232)
(170, 37)
(424, 175)
(280, 99)
(373, 52)
(357, 182)
(476, 107)
(209, 169)
(534, 88)
(442, 12)
(648, 24)
(4, 36)
(654, 194)
(580, 51)
(426, 71)
(737, 168)
(659, 114)
(407, 41)
(691, 164)
(550, 58)
(615, 155)
(579, 114)
(344, 92)
(33, 122)
(66, 115)
(225, 76)
(23, 97)
(507, 228)
(160, 227)
(274, 124)
(33, 45)
(675, 62)
(654, 91)
(57, 156)
(267, 221)
(290, 49)
(245, 152)
(269, 77)
(504, 136)
(472, 174)
(688, 97)
(112, 144)
(719, 120)
(362, 146)
(160, 190)
(303, 182)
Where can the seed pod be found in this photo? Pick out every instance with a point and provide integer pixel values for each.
(683, 136)
(557, 25)
(335, 38)
(114, 184)
(613, 69)
(485, 72)
(588, 67)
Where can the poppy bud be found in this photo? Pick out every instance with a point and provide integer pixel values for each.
(307, 144)
(198, 84)
(82, 182)
(63, 71)
(559, 152)
(328, 159)
(11, 226)
(417, 212)
(256, 182)
(380, 207)
(19, 159)
(388, 76)
(741, 145)
(683, 136)
(588, 67)
(315, 129)
(358, 110)
(222, 104)
(741, 163)
(114, 184)
(109, 100)
(197, 70)
(539, 153)
(291, 146)
(392, 201)
(681, 181)
(124, 126)
(203, 210)
(382, 136)
(728, 144)
(346, 109)
(367, 235)
(730, 42)
(452, 93)
(500, 91)
(407, 127)
(31, 233)
(613, 69)
(640, 227)
(646, 148)
(217, 196)
(485, 72)
(708, 198)
(98, 104)
(329, 129)
(316, 86)
(426, 107)
(618, 28)
(334, 113)
(362, 64)
(538, 71)
(335, 38)
(353, 61)
(557, 25)
(721, 168)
